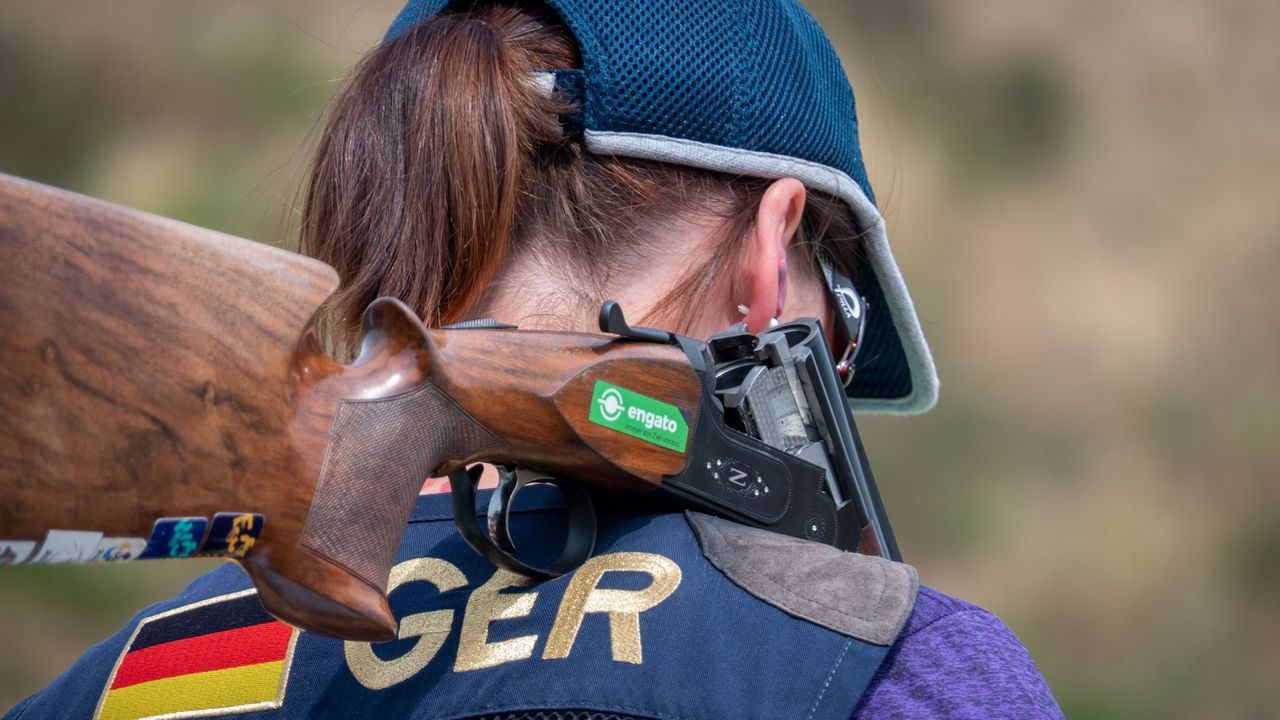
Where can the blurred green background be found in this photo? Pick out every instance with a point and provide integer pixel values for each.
(1085, 200)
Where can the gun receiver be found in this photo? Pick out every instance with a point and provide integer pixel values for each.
(770, 443)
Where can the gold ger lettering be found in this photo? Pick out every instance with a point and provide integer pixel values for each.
(488, 604)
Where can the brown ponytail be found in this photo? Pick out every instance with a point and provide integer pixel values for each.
(417, 178)
(442, 160)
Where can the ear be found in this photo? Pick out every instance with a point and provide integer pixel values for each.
(764, 271)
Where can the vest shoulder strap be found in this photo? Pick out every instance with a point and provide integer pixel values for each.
(860, 596)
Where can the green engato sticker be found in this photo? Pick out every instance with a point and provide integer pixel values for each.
(638, 416)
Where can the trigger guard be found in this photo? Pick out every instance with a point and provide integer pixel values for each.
(579, 542)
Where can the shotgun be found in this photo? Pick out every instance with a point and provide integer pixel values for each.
(163, 393)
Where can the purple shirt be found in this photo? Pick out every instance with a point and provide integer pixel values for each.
(956, 660)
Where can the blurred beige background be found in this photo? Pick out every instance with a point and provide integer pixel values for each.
(1085, 200)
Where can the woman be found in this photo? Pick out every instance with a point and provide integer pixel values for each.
(520, 161)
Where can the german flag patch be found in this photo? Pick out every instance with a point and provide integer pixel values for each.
(219, 656)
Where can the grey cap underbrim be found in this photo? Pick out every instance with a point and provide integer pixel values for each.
(924, 377)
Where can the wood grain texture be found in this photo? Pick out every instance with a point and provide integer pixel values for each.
(147, 365)
(152, 369)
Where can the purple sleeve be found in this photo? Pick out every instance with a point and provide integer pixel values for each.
(956, 660)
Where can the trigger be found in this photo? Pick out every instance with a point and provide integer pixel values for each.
(496, 546)
(509, 482)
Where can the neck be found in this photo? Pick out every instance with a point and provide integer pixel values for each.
(538, 292)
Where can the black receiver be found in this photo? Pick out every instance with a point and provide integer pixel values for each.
(774, 447)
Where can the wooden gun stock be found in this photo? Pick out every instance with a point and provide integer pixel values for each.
(418, 403)
(156, 370)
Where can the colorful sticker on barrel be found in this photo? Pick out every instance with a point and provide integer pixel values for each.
(233, 534)
(16, 552)
(175, 537)
(66, 546)
(119, 549)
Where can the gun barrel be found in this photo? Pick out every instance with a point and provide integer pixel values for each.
(846, 460)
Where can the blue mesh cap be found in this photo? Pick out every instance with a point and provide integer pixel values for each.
(749, 87)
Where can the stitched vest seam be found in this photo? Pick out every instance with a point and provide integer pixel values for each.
(813, 709)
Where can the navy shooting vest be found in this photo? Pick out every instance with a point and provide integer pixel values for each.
(675, 617)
